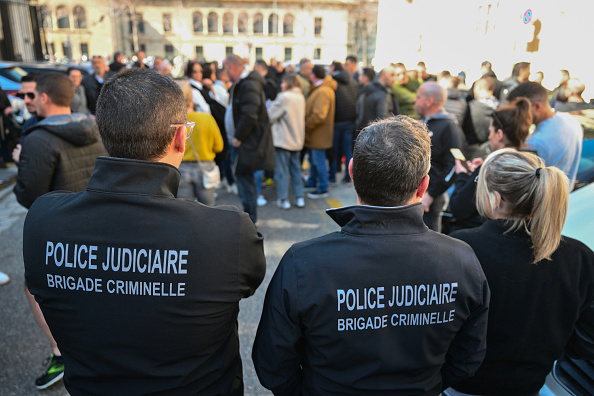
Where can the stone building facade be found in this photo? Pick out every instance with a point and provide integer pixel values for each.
(318, 29)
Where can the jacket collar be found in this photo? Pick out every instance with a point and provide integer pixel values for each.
(440, 115)
(378, 220)
(501, 226)
(129, 176)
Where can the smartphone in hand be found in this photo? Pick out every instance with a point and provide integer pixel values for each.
(459, 156)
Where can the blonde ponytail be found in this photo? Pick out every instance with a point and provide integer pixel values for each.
(549, 211)
(535, 197)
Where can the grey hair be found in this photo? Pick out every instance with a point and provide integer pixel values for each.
(391, 158)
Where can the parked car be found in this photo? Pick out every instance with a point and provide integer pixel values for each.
(12, 72)
(10, 87)
(53, 67)
(571, 377)
(585, 173)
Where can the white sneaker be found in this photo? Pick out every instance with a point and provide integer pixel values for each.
(283, 204)
(4, 279)
(232, 189)
(300, 202)
(262, 201)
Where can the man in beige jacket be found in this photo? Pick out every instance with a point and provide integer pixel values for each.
(319, 129)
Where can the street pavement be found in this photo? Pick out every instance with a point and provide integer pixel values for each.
(23, 347)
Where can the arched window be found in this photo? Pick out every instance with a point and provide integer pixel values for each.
(273, 24)
(258, 24)
(46, 17)
(213, 23)
(80, 17)
(242, 23)
(198, 22)
(228, 23)
(62, 17)
(288, 24)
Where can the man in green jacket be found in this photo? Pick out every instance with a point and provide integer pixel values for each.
(405, 91)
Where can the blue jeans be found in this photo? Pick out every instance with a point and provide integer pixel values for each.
(287, 163)
(318, 174)
(246, 189)
(258, 177)
(343, 136)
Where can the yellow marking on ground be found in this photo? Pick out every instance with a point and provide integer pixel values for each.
(334, 203)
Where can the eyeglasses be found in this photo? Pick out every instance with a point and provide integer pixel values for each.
(189, 127)
(198, 71)
(30, 95)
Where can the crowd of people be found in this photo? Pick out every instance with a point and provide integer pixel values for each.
(120, 273)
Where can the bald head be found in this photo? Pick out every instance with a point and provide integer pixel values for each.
(574, 88)
(387, 76)
(430, 99)
(435, 91)
(233, 66)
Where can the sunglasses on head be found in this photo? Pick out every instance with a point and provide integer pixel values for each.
(30, 95)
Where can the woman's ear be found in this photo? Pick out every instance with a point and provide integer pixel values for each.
(499, 135)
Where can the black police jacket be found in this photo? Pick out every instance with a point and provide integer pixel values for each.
(141, 289)
(383, 307)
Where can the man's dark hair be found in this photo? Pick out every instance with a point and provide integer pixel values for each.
(206, 70)
(190, 68)
(337, 66)
(351, 58)
(519, 66)
(534, 91)
(116, 55)
(30, 77)
(261, 63)
(369, 73)
(319, 71)
(70, 69)
(219, 73)
(57, 86)
(391, 158)
(135, 111)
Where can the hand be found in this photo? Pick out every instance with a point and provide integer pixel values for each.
(16, 153)
(207, 83)
(8, 110)
(460, 168)
(236, 143)
(475, 164)
(427, 200)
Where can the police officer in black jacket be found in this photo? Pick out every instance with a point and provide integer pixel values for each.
(141, 290)
(385, 306)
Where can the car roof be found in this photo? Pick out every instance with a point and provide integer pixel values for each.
(62, 68)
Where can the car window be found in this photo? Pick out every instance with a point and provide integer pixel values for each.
(13, 73)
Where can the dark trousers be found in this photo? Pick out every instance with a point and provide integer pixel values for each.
(433, 218)
(343, 137)
(246, 188)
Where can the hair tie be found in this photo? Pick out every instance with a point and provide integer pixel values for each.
(538, 172)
